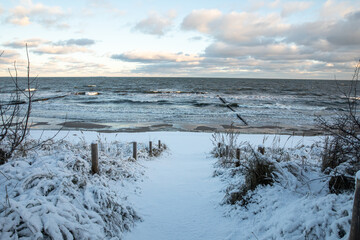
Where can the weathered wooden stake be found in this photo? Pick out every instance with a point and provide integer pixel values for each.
(150, 148)
(94, 158)
(261, 150)
(159, 144)
(135, 150)
(238, 154)
(355, 220)
(227, 151)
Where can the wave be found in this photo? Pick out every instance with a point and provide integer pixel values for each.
(127, 101)
(87, 93)
(92, 93)
(173, 92)
(30, 90)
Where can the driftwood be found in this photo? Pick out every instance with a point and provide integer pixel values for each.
(229, 107)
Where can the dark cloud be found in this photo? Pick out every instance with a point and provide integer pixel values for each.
(78, 42)
(346, 31)
(249, 39)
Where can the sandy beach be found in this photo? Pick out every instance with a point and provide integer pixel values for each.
(167, 127)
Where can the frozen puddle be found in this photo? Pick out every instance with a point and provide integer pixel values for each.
(180, 198)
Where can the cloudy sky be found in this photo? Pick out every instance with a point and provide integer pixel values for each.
(197, 38)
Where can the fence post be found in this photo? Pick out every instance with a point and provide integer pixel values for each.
(219, 145)
(261, 150)
(135, 150)
(94, 158)
(150, 149)
(159, 144)
(227, 150)
(238, 154)
(355, 220)
(237, 163)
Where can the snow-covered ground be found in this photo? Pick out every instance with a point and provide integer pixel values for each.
(178, 197)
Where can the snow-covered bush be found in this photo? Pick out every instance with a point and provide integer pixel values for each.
(222, 139)
(341, 155)
(261, 167)
(280, 193)
(51, 193)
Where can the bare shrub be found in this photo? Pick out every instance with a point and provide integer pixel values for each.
(258, 171)
(341, 155)
(225, 144)
(15, 114)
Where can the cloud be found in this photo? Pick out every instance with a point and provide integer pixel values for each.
(78, 42)
(59, 50)
(196, 38)
(289, 8)
(332, 9)
(43, 46)
(345, 31)
(30, 12)
(201, 20)
(104, 5)
(21, 21)
(156, 24)
(239, 36)
(33, 42)
(156, 57)
(238, 27)
(328, 35)
(8, 57)
(264, 52)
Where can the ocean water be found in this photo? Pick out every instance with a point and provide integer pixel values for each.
(194, 101)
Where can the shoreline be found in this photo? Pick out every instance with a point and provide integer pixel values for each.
(170, 127)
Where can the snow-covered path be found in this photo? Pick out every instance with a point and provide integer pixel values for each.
(180, 198)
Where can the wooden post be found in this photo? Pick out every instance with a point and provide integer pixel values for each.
(159, 144)
(355, 220)
(227, 151)
(94, 158)
(238, 154)
(150, 148)
(237, 163)
(261, 150)
(135, 150)
(219, 145)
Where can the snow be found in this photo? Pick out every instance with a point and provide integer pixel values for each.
(180, 199)
(176, 195)
(51, 193)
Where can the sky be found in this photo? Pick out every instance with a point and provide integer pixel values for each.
(162, 38)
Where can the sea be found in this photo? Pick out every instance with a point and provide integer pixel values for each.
(121, 102)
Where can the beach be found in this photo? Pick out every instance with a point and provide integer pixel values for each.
(166, 127)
